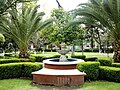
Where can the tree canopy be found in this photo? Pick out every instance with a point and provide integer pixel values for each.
(105, 13)
(22, 26)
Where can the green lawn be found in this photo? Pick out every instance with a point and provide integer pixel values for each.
(87, 54)
(20, 84)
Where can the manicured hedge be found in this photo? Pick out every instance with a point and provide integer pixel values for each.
(41, 58)
(115, 65)
(17, 70)
(10, 70)
(109, 73)
(14, 60)
(55, 56)
(91, 59)
(105, 61)
(78, 56)
(90, 68)
(30, 67)
(32, 59)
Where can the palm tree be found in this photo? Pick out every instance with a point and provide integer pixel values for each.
(5, 5)
(22, 26)
(107, 13)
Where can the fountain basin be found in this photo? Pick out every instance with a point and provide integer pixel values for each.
(59, 73)
(55, 64)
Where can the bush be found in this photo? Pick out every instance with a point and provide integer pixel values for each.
(95, 49)
(109, 73)
(8, 54)
(91, 59)
(30, 67)
(39, 58)
(13, 60)
(78, 56)
(105, 61)
(10, 70)
(87, 50)
(17, 70)
(32, 58)
(55, 56)
(90, 68)
(115, 65)
(49, 50)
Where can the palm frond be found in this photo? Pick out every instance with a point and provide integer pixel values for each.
(22, 26)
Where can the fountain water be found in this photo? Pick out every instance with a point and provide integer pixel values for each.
(59, 72)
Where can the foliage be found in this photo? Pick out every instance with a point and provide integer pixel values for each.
(28, 68)
(109, 73)
(59, 31)
(14, 60)
(115, 65)
(106, 13)
(2, 39)
(90, 68)
(105, 61)
(78, 56)
(5, 5)
(17, 70)
(22, 26)
(91, 59)
(41, 58)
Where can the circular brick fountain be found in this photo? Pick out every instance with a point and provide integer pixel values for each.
(59, 73)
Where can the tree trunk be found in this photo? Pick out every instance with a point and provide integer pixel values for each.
(92, 43)
(116, 55)
(73, 48)
(82, 48)
(24, 54)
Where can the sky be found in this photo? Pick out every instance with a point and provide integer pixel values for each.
(48, 5)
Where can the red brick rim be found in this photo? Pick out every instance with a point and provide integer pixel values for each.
(60, 67)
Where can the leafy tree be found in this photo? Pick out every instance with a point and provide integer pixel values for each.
(22, 26)
(63, 32)
(2, 39)
(5, 5)
(60, 31)
(106, 12)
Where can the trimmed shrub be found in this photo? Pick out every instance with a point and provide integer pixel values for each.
(13, 60)
(91, 59)
(28, 68)
(115, 65)
(105, 61)
(95, 49)
(9, 54)
(87, 50)
(90, 68)
(78, 56)
(39, 58)
(17, 70)
(32, 58)
(55, 56)
(109, 73)
(11, 70)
